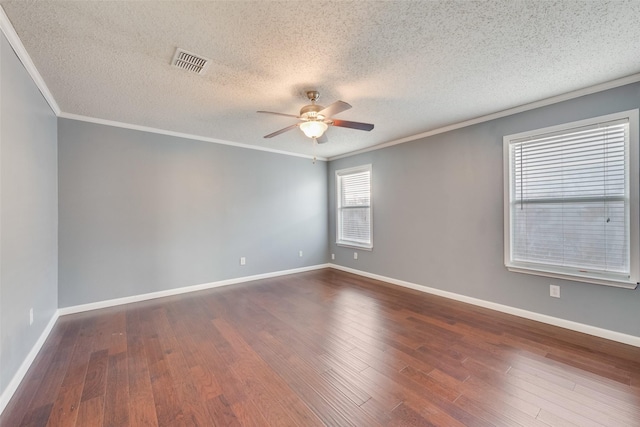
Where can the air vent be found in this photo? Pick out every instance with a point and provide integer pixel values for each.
(189, 61)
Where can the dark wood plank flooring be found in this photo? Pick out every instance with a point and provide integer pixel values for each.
(322, 348)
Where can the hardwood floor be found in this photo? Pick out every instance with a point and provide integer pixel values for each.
(322, 348)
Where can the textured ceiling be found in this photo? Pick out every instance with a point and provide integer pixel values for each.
(408, 67)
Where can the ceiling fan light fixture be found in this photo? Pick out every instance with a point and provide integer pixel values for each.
(315, 119)
(313, 128)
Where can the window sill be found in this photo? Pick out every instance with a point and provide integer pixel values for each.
(355, 246)
(574, 277)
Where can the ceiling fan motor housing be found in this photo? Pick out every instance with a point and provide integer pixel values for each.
(310, 112)
(316, 119)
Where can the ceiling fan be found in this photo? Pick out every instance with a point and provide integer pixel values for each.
(316, 119)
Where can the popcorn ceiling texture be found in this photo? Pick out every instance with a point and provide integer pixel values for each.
(407, 67)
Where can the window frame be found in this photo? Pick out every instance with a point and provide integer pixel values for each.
(632, 177)
(338, 177)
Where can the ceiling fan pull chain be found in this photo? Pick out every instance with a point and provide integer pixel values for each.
(315, 143)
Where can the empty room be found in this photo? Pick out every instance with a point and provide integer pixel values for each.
(343, 213)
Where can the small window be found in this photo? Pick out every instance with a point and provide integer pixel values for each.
(353, 217)
(571, 201)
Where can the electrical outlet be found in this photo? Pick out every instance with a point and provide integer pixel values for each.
(333, 256)
(31, 316)
(355, 255)
(554, 291)
(300, 254)
(243, 260)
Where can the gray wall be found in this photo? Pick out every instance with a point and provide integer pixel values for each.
(438, 217)
(142, 212)
(28, 212)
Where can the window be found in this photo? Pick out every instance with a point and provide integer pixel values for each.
(571, 201)
(353, 218)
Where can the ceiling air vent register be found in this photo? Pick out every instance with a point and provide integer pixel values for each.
(189, 61)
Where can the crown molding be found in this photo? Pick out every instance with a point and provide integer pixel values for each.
(180, 135)
(24, 57)
(21, 52)
(508, 112)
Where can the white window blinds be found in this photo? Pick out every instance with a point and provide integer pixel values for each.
(354, 207)
(569, 201)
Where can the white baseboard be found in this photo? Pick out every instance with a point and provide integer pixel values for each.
(555, 321)
(26, 364)
(176, 291)
(8, 392)
(567, 324)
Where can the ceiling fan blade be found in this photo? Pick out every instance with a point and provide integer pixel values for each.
(278, 132)
(352, 125)
(278, 114)
(323, 139)
(335, 108)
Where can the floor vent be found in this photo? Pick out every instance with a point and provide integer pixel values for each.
(189, 61)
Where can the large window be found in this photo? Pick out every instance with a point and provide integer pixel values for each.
(353, 216)
(571, 201)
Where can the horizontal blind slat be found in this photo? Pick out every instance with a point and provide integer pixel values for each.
(569, 198)
(354, 208)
